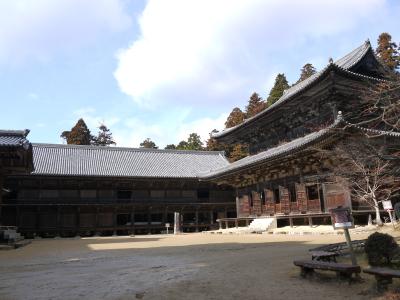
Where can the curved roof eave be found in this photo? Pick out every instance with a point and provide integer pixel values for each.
(343, 64)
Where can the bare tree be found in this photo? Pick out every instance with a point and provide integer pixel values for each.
(359, 164)
(381, 106)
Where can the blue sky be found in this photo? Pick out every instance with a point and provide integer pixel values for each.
(163, 69)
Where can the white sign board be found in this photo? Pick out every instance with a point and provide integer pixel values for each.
(167, 225)
(387, 205)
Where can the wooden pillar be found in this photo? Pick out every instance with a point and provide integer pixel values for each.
(37, 221)
(247, 222)
(78, 219)
(17, 215)
(310, 221)
(226, 224)
(211, 217)
(220, 224)
(58, 222)
(236, 224)
(197, 220)
(1, 199)
(149, 220)
(291, 222)
(133, 220)
(237, 203)
(115, 221)
(96, 222)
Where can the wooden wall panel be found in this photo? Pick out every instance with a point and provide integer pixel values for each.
(285, 199)
(256, 209)
(301, 196)
(335, 195)
(87, 220)
(244, 206)
(269, 202)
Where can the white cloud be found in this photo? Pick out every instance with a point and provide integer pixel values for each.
(36, 30)
(134, 130)
(209, 52)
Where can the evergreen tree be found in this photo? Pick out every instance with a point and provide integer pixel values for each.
(213, 145)
(182, 145)
(255, 105)
(148, 143)
(194, 142)
(235, 118)
(78, 135)
(239, 151)
(306, 71)
(387, 51)
(104, 137)
(170, 147)
(281, 84)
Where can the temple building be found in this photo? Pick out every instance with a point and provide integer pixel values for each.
(284, 176)
(69, 190)
(89, 190)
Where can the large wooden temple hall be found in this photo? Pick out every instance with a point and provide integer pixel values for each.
(284, 176)
(68, 190)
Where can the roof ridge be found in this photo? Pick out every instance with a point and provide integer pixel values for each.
(21, 133)
(92, 147)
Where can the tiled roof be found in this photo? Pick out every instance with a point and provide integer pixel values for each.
(343, 64)
(292, 146)
(13, 138)
(72, 160)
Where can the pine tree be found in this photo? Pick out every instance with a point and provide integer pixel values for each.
(281, 84)
(170, 147)
(306, 71)
(78, 135)
(148, 143)
(255, 105)
(235, 118)
(104, 137)
(387, 51)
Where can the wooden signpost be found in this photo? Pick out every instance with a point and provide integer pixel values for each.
(342, 219)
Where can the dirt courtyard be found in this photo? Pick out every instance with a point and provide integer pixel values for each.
(189, 266)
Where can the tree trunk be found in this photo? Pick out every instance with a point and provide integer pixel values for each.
(377, 213)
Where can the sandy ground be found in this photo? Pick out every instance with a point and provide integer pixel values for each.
(190, 266)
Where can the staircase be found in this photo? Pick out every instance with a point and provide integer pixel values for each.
(262, 224)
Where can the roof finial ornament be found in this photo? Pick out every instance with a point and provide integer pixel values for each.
(368, 42)
(330, 60)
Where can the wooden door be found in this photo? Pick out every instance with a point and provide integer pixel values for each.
(335, 195)
(269, 202)
(244, 206)
(256, 203)
(285, 199)
(301, 196)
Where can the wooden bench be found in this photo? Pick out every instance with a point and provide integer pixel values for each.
(324, 256)
(343, 271)
(383, 276)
